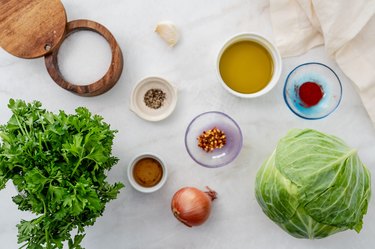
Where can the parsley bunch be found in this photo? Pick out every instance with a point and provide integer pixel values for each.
(58, 163)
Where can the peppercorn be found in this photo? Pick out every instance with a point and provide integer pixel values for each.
(154, 98)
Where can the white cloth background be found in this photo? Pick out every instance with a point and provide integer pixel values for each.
(346, 28)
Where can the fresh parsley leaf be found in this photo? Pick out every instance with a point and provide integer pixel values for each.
(58, 163)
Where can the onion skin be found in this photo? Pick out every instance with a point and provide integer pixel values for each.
(192, 206)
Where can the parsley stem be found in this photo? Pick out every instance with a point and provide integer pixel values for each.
(45, 226)
(39, 219)
(27, 243)
(44, 130)
(21, 127)
(41, 122)
(76, 166)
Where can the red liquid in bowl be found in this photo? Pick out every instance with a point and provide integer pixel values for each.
(310, 93)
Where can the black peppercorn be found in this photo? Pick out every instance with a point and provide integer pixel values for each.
(154, 98)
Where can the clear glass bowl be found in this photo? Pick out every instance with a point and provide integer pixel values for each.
(218, 157)
(320, 74)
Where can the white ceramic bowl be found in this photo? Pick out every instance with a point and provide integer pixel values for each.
(138, 106)
(276, 58)
(133, 182)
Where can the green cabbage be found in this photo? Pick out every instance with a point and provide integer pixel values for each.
(313, 185)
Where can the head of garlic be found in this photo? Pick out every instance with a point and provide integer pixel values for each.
(168, 32)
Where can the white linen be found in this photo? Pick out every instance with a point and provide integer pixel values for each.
(346, 28)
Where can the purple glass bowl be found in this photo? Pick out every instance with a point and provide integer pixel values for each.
(218, 157)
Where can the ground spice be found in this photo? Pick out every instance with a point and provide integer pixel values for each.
(310, 93)
(212, 139)
(154, 98)
(147, 172)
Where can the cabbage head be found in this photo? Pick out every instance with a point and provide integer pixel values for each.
(313, 185)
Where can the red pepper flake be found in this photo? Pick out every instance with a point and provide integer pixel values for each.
(310, 93)
(212, 139)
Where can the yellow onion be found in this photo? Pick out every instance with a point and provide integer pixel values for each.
(192, 206)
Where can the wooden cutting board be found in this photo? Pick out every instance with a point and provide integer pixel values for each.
(36, 28)
(31, 28)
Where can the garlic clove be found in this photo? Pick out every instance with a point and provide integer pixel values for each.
(168, 32)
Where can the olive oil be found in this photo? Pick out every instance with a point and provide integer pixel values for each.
(246, 67)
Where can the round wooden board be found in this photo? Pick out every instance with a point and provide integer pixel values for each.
(31, 28)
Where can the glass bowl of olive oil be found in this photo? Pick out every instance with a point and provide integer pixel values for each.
(248, 65)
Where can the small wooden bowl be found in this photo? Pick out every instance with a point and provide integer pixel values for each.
(107, 81)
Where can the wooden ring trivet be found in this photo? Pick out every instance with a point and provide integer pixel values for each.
(100, 86)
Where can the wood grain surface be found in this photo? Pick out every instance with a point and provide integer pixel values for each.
(107, 81)
(31, 28)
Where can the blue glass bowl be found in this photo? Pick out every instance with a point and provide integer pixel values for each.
(320, 74)
(218, 157)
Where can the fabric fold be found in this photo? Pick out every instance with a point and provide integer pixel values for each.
(346, 28)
